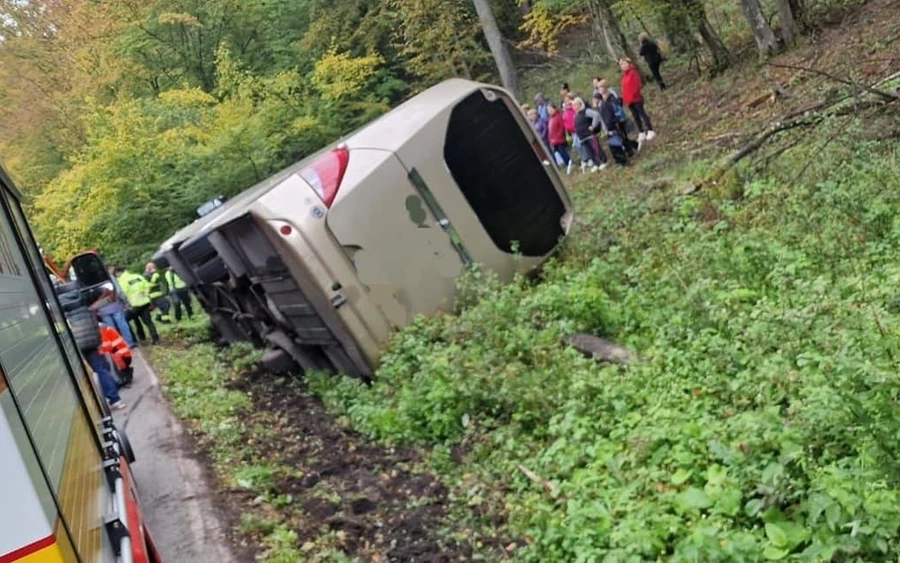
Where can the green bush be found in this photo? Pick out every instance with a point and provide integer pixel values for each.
(762, 422)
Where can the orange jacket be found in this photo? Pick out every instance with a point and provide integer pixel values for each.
(113, 344)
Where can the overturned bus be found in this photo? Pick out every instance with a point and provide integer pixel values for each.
(322, 261)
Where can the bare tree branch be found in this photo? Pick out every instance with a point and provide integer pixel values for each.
(890, 96)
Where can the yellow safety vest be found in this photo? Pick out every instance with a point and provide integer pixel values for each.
(136, 289)
(175, 282)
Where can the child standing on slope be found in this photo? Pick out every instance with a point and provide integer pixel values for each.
(631, 95)
(539, 126)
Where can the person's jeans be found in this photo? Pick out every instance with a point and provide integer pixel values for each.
(591, 151)
(563, 152)
(641, 119)
(120, 323)
(100, 365)
(141, 317)
(181, 298)
(654, 68)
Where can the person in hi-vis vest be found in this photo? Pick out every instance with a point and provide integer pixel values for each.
(137, 292)
(179, 294)
(158, 292)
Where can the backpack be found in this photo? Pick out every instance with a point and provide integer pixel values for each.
(620, 110)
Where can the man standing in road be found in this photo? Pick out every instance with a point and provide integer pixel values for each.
(158, 292)
(137, 291)
(179, 294)
(113, 314)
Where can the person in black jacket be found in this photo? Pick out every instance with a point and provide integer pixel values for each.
(606, 105)
(651, 53)
(587, 125)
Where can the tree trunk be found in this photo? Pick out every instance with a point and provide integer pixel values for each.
(678, 29)
(762, 32)
(697, 13)
(494, 38)
(789, 28)
(798, 10)
(607, 24)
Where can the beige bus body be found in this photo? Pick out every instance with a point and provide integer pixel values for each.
(331, 255)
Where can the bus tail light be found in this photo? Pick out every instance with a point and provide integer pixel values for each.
(326, 173)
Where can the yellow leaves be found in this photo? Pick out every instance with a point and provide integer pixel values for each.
(338, 75)
(177, 18)
(544, 26)
(188, 98)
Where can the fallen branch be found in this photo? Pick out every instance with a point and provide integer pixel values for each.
(806, 119)
(891, 96)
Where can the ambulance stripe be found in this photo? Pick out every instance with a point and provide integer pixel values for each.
(30, 551)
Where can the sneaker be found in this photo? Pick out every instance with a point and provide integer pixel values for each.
(569, 169)
(651, 135)
(602, 166)
(641, 138)
(594, 168)
(117, 406)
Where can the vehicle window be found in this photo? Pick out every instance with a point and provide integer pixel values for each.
(89, 270)
(500, 176)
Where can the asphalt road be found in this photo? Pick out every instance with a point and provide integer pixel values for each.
(174, 494)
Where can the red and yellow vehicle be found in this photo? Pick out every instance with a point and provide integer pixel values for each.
(67, 493)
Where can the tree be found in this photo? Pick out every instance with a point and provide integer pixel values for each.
(786, 15)
(607, 25)
(695, 11)
(676, 25)
(762, 31)
(495, 41)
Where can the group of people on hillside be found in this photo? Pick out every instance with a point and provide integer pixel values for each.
(602, 117)
(134, 297)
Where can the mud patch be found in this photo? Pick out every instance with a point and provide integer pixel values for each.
(371, 502)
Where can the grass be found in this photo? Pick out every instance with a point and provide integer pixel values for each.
(761, 423)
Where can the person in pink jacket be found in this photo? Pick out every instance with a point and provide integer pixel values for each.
(568, 114)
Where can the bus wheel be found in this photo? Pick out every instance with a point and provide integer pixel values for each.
(125, 444)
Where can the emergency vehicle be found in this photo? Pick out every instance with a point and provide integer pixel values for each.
(67, 493)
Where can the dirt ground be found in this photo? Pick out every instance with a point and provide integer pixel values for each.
(374, 502)
(698, 119)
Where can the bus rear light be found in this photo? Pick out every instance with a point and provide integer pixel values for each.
(326, 173)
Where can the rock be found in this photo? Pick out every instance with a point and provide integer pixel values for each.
(600, 349)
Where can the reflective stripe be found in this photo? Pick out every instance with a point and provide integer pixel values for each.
(41, 551)
(113, 345)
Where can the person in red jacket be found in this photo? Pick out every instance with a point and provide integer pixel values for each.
(557, 136)
(631, 95)
(113, 345)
